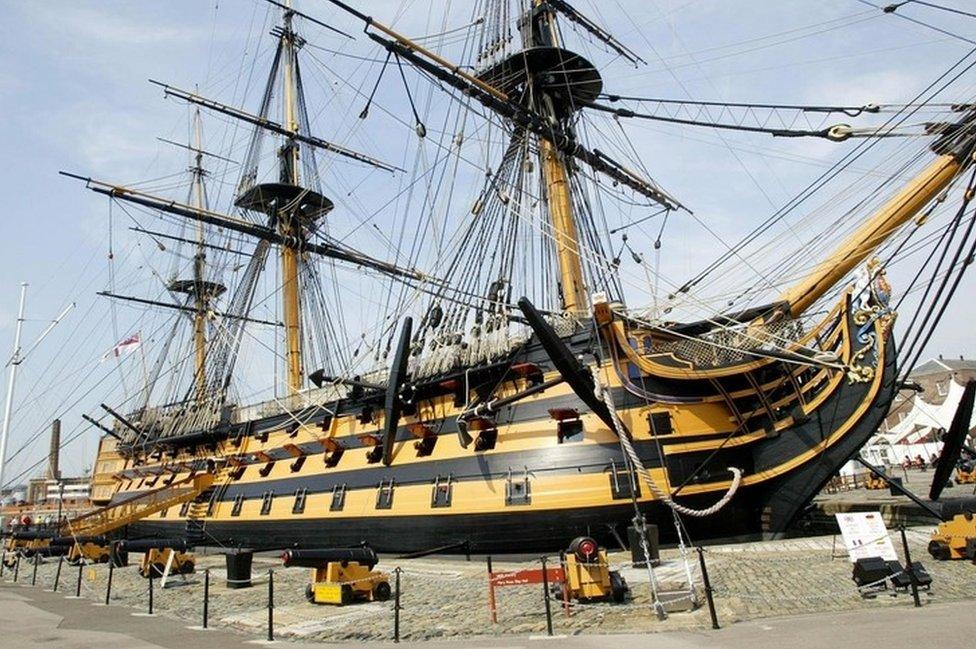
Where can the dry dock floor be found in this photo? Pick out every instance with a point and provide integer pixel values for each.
(35, 618)
(762, 590)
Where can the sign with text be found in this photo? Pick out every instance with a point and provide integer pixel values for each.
(865, 535)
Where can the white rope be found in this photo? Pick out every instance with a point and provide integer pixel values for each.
(628, 448)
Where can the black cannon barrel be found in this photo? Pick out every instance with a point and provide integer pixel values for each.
(53, 551)
(314, 558)
(32, 535)
(68, 541)
(141, 545)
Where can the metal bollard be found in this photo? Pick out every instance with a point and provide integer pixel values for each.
(206, 596)
(37, 560)
(708, 588)
(3, 561)
(81, 566)
(396, 606)
(908, 567)
(57, 573)
(151, 579)
(16, 568)
(108, 586)
(270, 605)
(545, 595)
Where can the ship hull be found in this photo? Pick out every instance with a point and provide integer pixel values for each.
(761, 510)
(551, 469)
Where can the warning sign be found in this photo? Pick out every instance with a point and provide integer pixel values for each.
(865, 535)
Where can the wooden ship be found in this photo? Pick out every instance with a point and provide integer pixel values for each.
(510, 419)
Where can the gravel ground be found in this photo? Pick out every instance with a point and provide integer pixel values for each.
(448, 596)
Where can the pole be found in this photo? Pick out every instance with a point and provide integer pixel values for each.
(111, 569)
(81, 566)
(206, 596)
(396, 607)
(37, 560)
(151, 578)
(491, 594)
(545, 596)
(708, 588)
(16, 568)
(270, 605)
(12, 380)
(909, 567)
(57, 573)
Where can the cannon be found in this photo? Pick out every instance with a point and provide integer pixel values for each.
(588, 574)
(955, 538)
(341, 575)
(158, 553)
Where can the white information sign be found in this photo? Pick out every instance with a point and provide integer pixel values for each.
(865, 535)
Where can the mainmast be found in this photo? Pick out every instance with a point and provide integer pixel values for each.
(540, 31)
(289, 165)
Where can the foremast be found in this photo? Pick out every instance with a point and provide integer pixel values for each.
(544, 33)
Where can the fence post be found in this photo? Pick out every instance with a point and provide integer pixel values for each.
(81, 566)
(708, 588)
(270, 605)
(3, 561)
(396, 606)
(108, 586)
(492, 608)
(152, 577)
(57, 573)
(545, 596)
(16, 567)
(37, 559)
(908, 567)
(206, 596)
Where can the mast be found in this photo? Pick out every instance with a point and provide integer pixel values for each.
(289, 166)
(556, 176)
(199, 260)
(199, 291)
(15, 360)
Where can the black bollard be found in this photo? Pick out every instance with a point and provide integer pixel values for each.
(3, 562)
(206, 596)
(16, 568)
(151, 578)
(545, 595)
(708, 588)
(57, 573)
(270, 605)
(908, 567)
(396, 606)
(81, 566)
(108, 586)
(467, 550)
(37, 560)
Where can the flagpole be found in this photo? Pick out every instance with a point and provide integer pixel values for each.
(14, 362)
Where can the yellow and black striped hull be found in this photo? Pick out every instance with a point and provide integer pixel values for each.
(279, 485)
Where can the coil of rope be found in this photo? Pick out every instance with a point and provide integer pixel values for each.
(628, 447)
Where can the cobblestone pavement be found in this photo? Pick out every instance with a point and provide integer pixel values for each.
(448, 597)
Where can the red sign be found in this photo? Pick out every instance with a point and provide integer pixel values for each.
(522, 577)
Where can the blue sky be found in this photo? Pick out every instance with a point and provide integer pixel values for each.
(74, 94)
